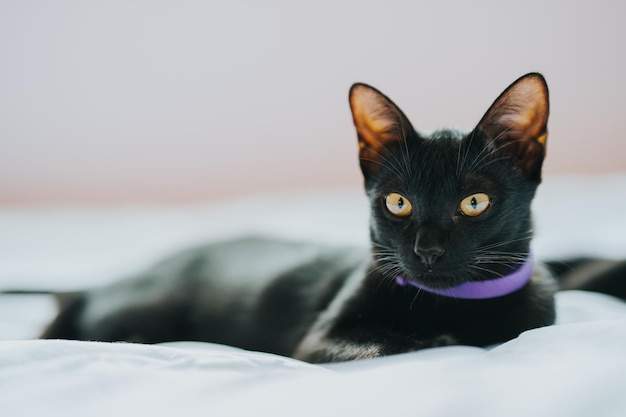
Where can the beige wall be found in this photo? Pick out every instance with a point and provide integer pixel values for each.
(154, 101)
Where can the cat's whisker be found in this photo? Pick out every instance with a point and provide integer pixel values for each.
(481, 273)
(398, 164)
(395, 165)
(507, 242)
(480, 156)
(380, 248)
(501, 252)
(477, 167)
(389, 272)
(490, 150)
(458, 159)
(385, 163)
(378, 255)
(480, 268)
(489, 162)
(417, 294)
(406, 155)
(504, 262)
(385, 263)
(498, 149)
(490, 254)
(467, 151)
(499, 261)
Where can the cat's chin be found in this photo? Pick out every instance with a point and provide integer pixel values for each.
(436, 281)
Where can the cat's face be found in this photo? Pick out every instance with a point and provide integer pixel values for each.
(451, 207)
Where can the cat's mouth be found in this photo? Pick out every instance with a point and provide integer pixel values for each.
(436, 277)
(443, 277)
(444, 274)
(440, 276)
(437, 280)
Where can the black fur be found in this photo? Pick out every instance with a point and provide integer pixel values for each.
(324, 304)
(598, 275)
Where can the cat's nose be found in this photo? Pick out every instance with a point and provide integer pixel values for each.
(428, 256)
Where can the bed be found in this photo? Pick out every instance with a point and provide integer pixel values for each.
(574, 368)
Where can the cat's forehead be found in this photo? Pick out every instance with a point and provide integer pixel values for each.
(438, 150)
(445, 134)
(439, 165)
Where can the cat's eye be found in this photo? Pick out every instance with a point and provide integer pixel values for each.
(398, 205)
(475, 204)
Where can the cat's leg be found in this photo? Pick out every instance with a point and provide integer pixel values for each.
(64, 325)
(353, 344)
(144, 308)
(157, 321)
(598, 275)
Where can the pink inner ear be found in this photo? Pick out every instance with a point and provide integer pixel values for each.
(524, 110)
(516, 123)
(374, 118)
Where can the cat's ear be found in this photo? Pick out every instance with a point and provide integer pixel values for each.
(379, 124)
(516, 123)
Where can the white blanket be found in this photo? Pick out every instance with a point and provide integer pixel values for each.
(574, 368)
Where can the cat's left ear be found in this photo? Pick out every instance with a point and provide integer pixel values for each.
(379, 124)
(516, 123)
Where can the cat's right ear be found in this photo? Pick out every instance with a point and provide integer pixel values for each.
(516, 124)
(379, 123)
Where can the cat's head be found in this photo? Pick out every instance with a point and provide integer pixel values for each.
(450, 207)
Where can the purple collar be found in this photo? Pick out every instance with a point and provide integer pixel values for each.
(479, 290)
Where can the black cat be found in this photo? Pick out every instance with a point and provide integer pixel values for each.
(449, 261)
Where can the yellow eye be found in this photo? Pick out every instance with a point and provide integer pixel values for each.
(475, 204)
(398, 205)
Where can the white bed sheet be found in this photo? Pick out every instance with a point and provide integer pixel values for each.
(575, 368)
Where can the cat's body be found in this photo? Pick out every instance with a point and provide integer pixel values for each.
(447, 209)
(254, 293)
(288, 297)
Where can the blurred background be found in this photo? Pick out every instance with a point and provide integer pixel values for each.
(133, 102)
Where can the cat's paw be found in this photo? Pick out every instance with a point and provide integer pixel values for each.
(368, 351)
(340, 351)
